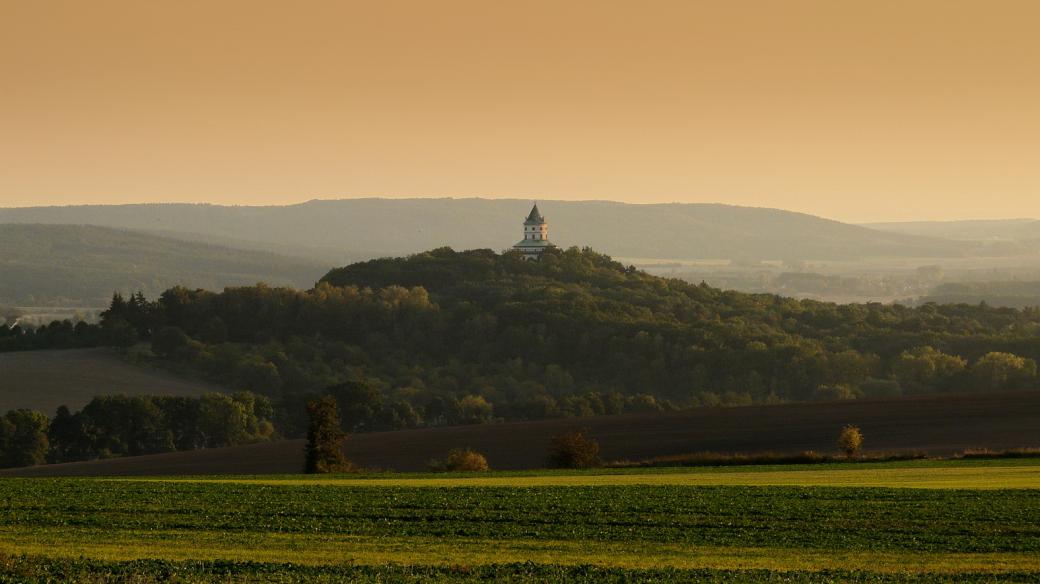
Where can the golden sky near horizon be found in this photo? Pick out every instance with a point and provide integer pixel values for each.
(854, 110)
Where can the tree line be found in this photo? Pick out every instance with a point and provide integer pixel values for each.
(118, 425)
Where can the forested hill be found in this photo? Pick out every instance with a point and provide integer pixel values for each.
(343, 230)
(450, 337)
(83, 265)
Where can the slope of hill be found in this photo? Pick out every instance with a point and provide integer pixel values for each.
(968, 230)
(450, 337)
(374, 227)
(44, 380)
(83, 263)
(1011, 294)
(932, 424)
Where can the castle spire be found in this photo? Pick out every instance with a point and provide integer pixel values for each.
(534, 216)
(536, 235)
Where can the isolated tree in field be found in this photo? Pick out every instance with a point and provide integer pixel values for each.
(573, 450)
(325, 438)
(850, 441)
(461, 460)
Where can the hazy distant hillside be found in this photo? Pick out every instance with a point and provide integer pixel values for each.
(973, 230)
(1013, 294)
(352, 229)
(43, 264)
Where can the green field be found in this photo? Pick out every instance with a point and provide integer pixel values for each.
(981, 474)
(961, 520)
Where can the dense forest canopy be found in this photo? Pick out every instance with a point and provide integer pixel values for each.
(449, 337)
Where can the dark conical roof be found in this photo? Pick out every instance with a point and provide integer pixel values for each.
(534, 216)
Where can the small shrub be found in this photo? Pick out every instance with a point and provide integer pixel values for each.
(461, 460)
(850, 441)
(573, 450)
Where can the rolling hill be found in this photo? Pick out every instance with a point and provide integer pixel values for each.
(1014, 294)
(970, 230)
(342, 230)
(936, 424)
(1007, 236)
(44, 380)
(44, 264)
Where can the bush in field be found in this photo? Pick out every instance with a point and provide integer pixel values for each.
(850, 441)
(325, 438)
(460, 460)
(573, 449)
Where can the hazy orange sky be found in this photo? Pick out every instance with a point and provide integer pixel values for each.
(858, 111)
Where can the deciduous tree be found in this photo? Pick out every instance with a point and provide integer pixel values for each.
(324, 450)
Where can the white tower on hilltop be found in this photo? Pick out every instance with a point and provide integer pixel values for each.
(536, 236)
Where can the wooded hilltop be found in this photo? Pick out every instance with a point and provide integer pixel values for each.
(447, 337)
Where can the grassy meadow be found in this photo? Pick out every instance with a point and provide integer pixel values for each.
(44, 380)
(909, 521)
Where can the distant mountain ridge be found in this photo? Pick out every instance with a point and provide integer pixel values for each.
(352, 229)
(46, 263)
(972, 229)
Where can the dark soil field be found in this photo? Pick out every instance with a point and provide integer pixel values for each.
(44, 380)
(938, 424)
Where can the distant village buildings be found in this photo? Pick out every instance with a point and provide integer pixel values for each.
(536, 236)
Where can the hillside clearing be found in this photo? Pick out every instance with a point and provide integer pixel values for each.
(44, 380)
(84, 264)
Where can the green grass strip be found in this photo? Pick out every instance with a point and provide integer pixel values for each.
(333, 549)
(985, 477)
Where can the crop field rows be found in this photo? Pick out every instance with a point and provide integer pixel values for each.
(663, 525)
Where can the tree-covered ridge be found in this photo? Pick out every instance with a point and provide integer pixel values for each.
(448, 337)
